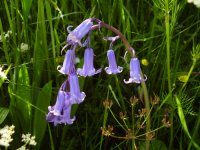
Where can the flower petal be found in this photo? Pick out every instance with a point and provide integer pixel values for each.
(79, 32)
(113, 68)
(88, 66)
(68, 64)
(76, 97)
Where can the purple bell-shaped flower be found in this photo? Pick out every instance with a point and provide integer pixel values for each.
(88, 66)
(135, 76)
(66, 117)
(51, 117)
(113, 68)
(76, 97)
(68, 64)
(59, 103)
(79, 32)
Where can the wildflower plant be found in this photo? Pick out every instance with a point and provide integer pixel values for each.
(70, 92)
(6, 135)
(95, 63)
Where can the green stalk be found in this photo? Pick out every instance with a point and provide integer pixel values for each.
(119, 92)
(51, 138)
(117, 120)
(133, 123)
(148, 119)
(167, 33)
(104, 124)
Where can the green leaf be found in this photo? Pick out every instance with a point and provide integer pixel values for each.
(39, 121)
(26, 5)
(113, 93)
(21, 108)
(183, 121)
(40, 55)
(3, 114)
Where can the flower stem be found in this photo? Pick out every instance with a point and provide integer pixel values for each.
(147, 106)
(167, 34)
(121, 36)
(133, 123)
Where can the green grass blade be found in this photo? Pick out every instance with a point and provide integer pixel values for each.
(114, 95)
(40, 55)
(3, 114)
(183, 121)
(39, 121)
(24, 91)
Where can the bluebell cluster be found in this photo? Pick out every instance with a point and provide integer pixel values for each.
(69, 92)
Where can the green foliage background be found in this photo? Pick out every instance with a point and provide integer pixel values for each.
(165, 32)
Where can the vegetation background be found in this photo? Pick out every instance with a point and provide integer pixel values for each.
(165, 36)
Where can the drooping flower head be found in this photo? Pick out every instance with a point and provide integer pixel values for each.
(76, 97)
(135, 76)
(60, 112)
(68, 64)
(75, 36)
(113, 68)
(65, 117)
(88, 66)
(58, 107)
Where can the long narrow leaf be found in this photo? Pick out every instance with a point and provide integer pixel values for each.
(183, 121)
(3, 114)
(23, 110)
(39, 121)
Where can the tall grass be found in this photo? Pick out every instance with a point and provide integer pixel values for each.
(165, 33)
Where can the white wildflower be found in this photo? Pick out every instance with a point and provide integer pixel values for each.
(6, 35)
(22, 148)
(2, 73)
(28, 139)
(5, 134)
(23, 47)
(195, 2)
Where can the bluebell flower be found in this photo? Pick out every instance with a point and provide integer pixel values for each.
(76, 97)
(60, 112)
(88, 66)
(68, 64)
(135, 76)
(62, 95)
(51, 117)
(66, 117)
(113, 68)
(79, 32)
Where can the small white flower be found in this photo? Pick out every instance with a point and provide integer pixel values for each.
(195, 2)
(5, 134)
(2, 73)
(22, 148)
(24, 47)
(7, 35)
(28, 139)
